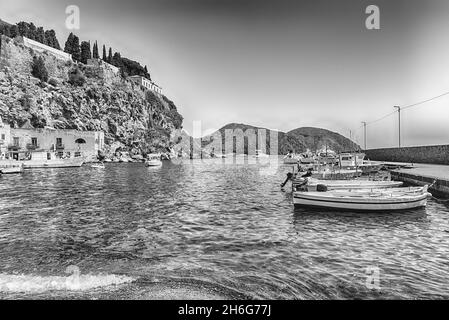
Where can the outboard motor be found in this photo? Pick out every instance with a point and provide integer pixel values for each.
(289, 177)
(321, 188)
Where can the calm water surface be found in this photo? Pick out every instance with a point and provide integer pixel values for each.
(205, 230)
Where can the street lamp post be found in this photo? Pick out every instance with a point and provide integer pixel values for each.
(364, 133)
(399, 113)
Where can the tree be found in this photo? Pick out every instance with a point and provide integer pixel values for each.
(95, 51)
(14, 31)
(85, 52)
(76, 77)
(104, 53)
(72, 46)
(40, 36)
(39, 70)
(110, 56)
(52, 41)
(32, 32)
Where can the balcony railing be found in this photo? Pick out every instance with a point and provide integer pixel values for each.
(60, 146)
(13, 147)
(31, 146)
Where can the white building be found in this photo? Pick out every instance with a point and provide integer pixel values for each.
(37, 46)
(150, 85)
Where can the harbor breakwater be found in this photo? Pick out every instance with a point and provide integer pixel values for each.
(438, 154)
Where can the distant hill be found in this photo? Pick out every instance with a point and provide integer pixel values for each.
(299, 140)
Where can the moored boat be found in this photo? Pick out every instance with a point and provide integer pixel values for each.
(313, 184)
(365, 199)
(49, 160)
(11, 169)
(153, 161)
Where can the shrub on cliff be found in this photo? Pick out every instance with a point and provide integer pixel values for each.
(76, 77)
(38, 69)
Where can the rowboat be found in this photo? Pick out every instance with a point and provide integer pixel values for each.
(12, 169)
(365, 199)
(98, 165)
(153, 161)
(312, 184)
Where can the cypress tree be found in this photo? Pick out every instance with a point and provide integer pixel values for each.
(85, 52)
(76, 49)
(69, 44)
(110, 55)
(95, 51)
(104, 54)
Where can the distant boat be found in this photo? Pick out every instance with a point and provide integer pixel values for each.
(98, 165)
(49, 160)
(365, 200)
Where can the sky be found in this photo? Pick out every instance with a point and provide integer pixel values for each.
(279, 64)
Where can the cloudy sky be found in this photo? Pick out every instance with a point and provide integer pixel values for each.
(279, 64)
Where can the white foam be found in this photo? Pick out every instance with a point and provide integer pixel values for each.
(36, 284)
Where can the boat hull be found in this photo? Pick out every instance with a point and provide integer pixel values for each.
(58, 163)
(359, 203)
(350, 184)
(13, 170)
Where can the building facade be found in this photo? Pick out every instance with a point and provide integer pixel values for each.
(148, 84)
(37, 46)
(18, 143)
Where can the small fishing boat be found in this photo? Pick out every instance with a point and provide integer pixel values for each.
(316, 185)
(99, 165)
(365, 199)
(12, 169)
(153, 161)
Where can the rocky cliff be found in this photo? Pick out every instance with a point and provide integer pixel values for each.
(132, 118)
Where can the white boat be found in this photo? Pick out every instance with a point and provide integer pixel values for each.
(312, 184)
(98, 165)
(356, 161)
(364, 199)
(154, 161)
(49, 160)
(12, 169)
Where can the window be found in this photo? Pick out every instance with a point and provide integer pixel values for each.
(58, 141)
(77, 154)
(3, 136)
(48, 156)
(34, 142)
(16, 141)
(80, 141)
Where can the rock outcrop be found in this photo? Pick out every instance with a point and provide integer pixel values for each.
(132, 118)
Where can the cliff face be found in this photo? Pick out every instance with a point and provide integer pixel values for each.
(132, 118)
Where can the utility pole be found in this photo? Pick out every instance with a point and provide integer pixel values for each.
(364, 130)
(399, 113)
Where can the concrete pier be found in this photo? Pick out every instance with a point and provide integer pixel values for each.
(422, 174)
